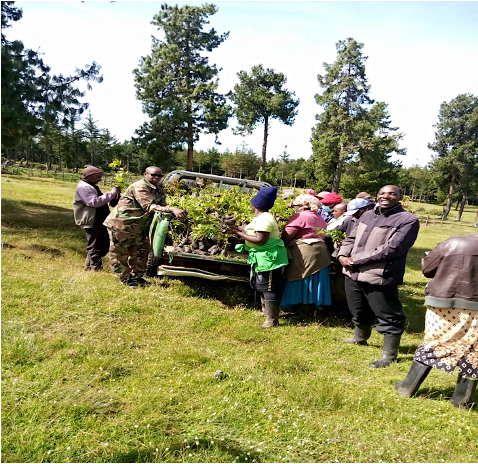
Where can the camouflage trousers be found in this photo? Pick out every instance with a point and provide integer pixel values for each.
(128, 254)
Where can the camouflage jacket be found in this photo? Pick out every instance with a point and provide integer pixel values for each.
(136, 206)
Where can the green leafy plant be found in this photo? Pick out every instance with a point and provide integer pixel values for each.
(334, 234)
(121, 173)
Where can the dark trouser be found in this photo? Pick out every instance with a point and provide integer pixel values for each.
(97, 243)
(367, 302)
(269, 283)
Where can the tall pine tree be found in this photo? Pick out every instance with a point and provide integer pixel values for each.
(177, 85)
(352, 128)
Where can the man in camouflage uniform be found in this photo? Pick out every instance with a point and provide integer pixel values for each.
(128, 226)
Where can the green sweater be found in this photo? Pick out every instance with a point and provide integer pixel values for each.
(271, 255)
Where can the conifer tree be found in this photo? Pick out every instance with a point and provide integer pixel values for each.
(176, 83)
(351, 127)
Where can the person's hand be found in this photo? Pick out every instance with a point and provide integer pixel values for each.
(230, 229)
(117, 190)
(346, 262)
(179, 213)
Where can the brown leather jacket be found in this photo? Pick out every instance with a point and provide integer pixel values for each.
(453, 264)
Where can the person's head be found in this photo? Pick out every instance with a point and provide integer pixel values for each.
(322, 194)
(91, 174)
(339, 209)
(264, 199)
(306, 202)
(309, 192)
(389, 196)
(365, 195)
(357, 207)
(330, 200)
(153, 174)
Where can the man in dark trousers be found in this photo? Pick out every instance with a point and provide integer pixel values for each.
(374, 259)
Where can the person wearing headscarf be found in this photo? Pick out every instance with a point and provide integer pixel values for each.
(90, 209)
(328, 203)
(451, 323)
(267, 253)
(307, 275)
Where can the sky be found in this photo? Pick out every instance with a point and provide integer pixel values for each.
(420, 54)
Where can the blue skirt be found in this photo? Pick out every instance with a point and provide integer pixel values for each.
(314, 289)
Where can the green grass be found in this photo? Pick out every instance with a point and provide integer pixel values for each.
(96, 372)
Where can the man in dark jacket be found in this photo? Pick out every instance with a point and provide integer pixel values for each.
(374, 259)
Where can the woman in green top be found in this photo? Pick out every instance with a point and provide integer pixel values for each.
(267, 253)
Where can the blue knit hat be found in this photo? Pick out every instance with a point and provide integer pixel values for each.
(265, 198)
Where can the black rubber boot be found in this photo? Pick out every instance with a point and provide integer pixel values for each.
(415, 377)
(463, 392)
(271, 310)
(263, 305)
(390, 351)
(361, 335)
(96, 265)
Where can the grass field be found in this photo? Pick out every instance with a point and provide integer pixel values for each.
(97, 372)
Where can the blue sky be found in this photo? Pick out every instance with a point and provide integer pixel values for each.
(420, 54)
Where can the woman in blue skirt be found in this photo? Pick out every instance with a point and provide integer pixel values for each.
(307, 275)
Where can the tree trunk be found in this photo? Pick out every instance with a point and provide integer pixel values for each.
(189, 164)
(264, 144)
(462, 206)
(450, 196)
(338, 170)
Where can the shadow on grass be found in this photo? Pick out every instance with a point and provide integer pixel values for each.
(25, 214)
(177, 451)
(228, 293)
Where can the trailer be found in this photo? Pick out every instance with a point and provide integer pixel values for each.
(166, 260)
(179, 264)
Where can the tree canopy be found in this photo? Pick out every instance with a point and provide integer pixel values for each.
(176, 83)
(260, 97)
(456, 147)
(352, 131)
(32, 99)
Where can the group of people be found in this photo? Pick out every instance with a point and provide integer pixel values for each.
(290, 269)
(373, 256)
(123, 231)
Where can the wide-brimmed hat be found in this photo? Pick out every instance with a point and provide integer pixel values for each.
(331, 198)
(265, 198)
(354, 205)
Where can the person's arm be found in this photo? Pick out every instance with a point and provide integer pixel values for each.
(259, 239)
(146, 200)
(288, 235)
(432, 261)
(90, 198)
